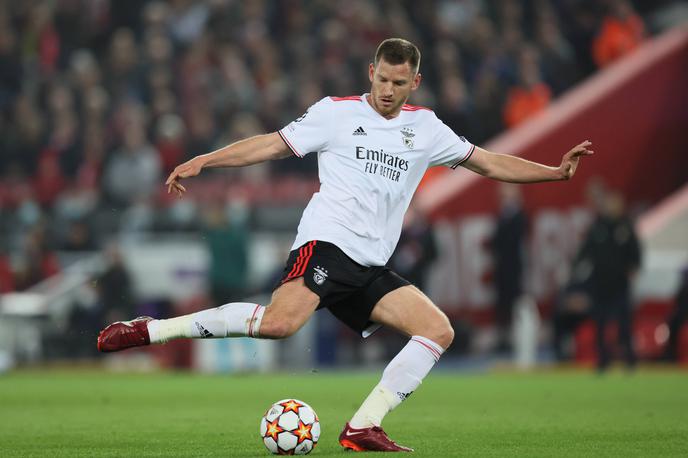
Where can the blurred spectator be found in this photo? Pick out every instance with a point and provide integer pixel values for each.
(573, 304)
(41, 40)
(531, 95)
(622, 31)
(37, 261)
(612, 249)
(454, 107)
(227, 238)
(170, 136)
(48, 182)
(134, 171)
(10, 65)
(571, 308)
(123, 70)
(115, 290)
(487, 100)
(79, 237)
(6, 274)
(677, 319)
(417, 248)
(509, 259)
(24, 143)
(558, 60)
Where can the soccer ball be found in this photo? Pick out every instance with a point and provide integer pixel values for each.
(290, 427)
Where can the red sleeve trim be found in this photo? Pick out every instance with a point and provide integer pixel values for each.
(348, 97)
(291, 147)
(407, 107)
(470, 153)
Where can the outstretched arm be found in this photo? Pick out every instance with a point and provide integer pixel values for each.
(514, 169)
(250, 151)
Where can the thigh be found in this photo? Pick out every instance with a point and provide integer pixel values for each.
(292, 303)
(410, 312)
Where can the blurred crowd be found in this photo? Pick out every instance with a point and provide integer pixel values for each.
(100, 99)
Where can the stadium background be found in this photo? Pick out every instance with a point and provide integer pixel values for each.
(101, 99)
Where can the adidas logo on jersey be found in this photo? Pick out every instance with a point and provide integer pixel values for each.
(359, 131)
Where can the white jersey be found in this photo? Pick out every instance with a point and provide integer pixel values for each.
(369, 167)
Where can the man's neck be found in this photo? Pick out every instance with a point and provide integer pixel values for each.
(369, 99)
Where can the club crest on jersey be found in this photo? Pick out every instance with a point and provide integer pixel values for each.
(320, 275)
(407, 137)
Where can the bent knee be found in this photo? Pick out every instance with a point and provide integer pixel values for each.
(445, 336)
(441, 333)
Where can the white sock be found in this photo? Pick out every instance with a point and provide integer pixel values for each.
(236, 319)
(401, 378)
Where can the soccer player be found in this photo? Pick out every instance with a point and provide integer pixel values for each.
(373, 150)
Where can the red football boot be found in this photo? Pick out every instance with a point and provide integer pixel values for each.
(371, 439)
(124, 334)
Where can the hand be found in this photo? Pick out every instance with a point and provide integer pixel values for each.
(187, 169)
(569, 162)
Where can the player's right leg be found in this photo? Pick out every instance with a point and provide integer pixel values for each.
(291, 306)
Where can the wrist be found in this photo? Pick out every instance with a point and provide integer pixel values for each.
(202, 161)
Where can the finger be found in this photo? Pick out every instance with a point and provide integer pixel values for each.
(582, 152)
(175, 187)
(172, 177)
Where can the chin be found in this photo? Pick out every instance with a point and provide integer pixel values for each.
(388, 109)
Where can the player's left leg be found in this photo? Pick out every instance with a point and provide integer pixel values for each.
(412, 313)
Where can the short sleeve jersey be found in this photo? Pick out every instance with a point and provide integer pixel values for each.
(369, 167)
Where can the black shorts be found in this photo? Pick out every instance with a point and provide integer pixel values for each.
(346, 288)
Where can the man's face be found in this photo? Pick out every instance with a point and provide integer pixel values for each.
(391, 86)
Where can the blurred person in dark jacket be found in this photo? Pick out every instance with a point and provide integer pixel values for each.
(508, 251)
(114, 286)
(611, 247)
(678, 318)
(417, 248)
(573, 304)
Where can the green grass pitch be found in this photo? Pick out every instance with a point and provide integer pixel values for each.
(47, 413)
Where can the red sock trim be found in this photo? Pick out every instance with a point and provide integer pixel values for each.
(253, 321)
(436, 354)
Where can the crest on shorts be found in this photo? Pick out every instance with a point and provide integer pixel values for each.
(320, 275)
(407, 137)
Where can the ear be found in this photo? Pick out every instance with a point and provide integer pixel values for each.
(416, 81)
(371, 71)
